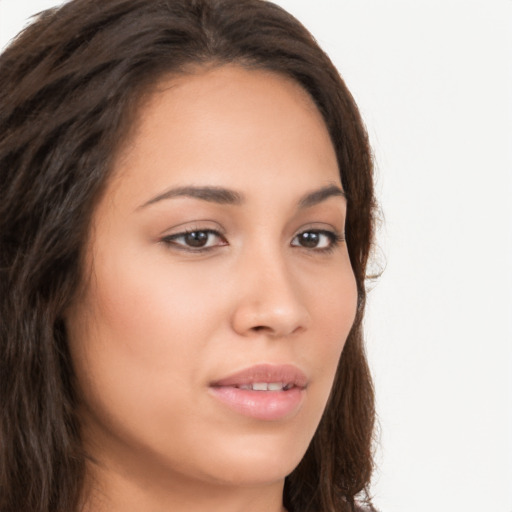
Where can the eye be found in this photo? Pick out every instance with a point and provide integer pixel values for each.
(321, 240)
(195, 240)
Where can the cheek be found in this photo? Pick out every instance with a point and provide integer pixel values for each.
(333, 308)
(135, 339)
(148, 312)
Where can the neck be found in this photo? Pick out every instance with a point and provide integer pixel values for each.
(138, 491)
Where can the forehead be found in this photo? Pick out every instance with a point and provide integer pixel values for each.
(228, 125)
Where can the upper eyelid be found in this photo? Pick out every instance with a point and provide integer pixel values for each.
(322, 229)
(216, 232)
(220, 233)
(197, 225)
(194, 230)
(335, 236)
(173, 236)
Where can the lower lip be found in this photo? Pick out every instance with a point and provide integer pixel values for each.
(261, 405)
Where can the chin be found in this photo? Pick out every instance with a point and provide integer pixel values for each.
(256, 459)
(251, 473)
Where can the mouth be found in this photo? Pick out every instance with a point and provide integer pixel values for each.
(263, 392)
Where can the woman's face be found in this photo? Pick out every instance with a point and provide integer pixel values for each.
(219, 292)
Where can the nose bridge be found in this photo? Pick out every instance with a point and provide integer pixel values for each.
(272, 275)
(270, 299)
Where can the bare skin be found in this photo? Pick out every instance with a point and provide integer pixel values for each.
(189, 286)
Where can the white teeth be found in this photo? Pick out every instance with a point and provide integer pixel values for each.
(264, 386)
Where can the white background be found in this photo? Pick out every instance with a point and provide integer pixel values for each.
(433, 79)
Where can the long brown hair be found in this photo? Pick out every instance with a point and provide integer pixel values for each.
(70, 85)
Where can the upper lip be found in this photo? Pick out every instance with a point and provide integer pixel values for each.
(287, 374)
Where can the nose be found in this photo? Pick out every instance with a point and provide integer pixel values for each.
(269, 299)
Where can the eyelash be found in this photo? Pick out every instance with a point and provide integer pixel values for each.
(334, 240)
(171, 240)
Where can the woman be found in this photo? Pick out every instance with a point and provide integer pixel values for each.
(186, 217)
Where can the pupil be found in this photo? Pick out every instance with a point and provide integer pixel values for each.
(197, 238)
(310, 239)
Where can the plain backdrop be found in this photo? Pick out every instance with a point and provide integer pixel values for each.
(433, 79)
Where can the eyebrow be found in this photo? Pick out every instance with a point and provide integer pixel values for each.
(217, 195)
(320, 195)
(221, 195)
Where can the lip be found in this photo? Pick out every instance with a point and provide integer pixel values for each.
(262, 405)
